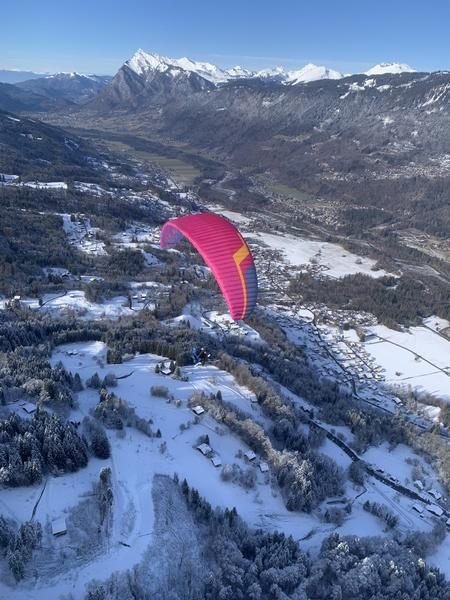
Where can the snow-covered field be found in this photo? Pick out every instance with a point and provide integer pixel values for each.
(418, 358)
(331, 259)
(49, 185)
(214, 323)
(82, 235)
(75, 301)
(133, 513)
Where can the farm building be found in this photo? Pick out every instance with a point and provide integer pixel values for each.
(216, 461)
(204, 449)
(59, 527)
(436, 495)
(435, 509)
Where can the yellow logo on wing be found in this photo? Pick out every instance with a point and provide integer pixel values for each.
(239, 256)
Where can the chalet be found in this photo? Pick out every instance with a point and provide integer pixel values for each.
(263, 467)
(216, 461)
(250, 455)
(205, 449)
(59, 527)
(435, 509)
(198, 410)
(436, 495)
(29, 408)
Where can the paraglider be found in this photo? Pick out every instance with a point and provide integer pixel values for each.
(225, 252)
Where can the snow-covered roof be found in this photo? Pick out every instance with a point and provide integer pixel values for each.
(418, 508)
(435, 509)
(59, 526)
(264, 467)
(250, 455)
(216, 460)
(29, 408)
(435, 493)
(198, 410)
(204, 449)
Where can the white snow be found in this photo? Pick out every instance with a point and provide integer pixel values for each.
(82, 235)
(50, 185)
(312, 72)
(404, 356)
(333, 260)
(394, 68)
(5, 178)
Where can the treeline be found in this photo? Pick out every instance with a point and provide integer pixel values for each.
(17, 545)
(305, 478)
(291, 367)
(382, 512)
(30, 448)
(115, 413)
(24, 254)
(392, 300)
(27, 370)
(244, 563)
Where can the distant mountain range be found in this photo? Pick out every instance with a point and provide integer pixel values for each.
(74, 87)
(143, 63)
(144, 70)
(14, 98)
(16, 76)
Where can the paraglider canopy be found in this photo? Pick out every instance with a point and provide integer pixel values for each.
(225, 252)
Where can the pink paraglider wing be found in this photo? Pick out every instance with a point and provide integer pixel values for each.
(225, 252)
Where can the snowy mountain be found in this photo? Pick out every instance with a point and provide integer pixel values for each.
(142, 63)
(277, 74)
(390, 68)
(312, 72)
(75, 87)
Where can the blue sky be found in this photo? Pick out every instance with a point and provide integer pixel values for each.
(97, 36)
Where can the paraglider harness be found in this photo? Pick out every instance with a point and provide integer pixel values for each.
(200, 357)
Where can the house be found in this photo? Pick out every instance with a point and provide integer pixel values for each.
(59, 527)
(263, 467)
(435, 509)
(418, 484)
(29, 408)
(250, 455)
(216, 461)
(204, 449)
(436, 495)
(198, 410)
(418, 508)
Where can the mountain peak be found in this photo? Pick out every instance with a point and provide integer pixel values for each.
(311, 72)
(142, 61)
(394, 68)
